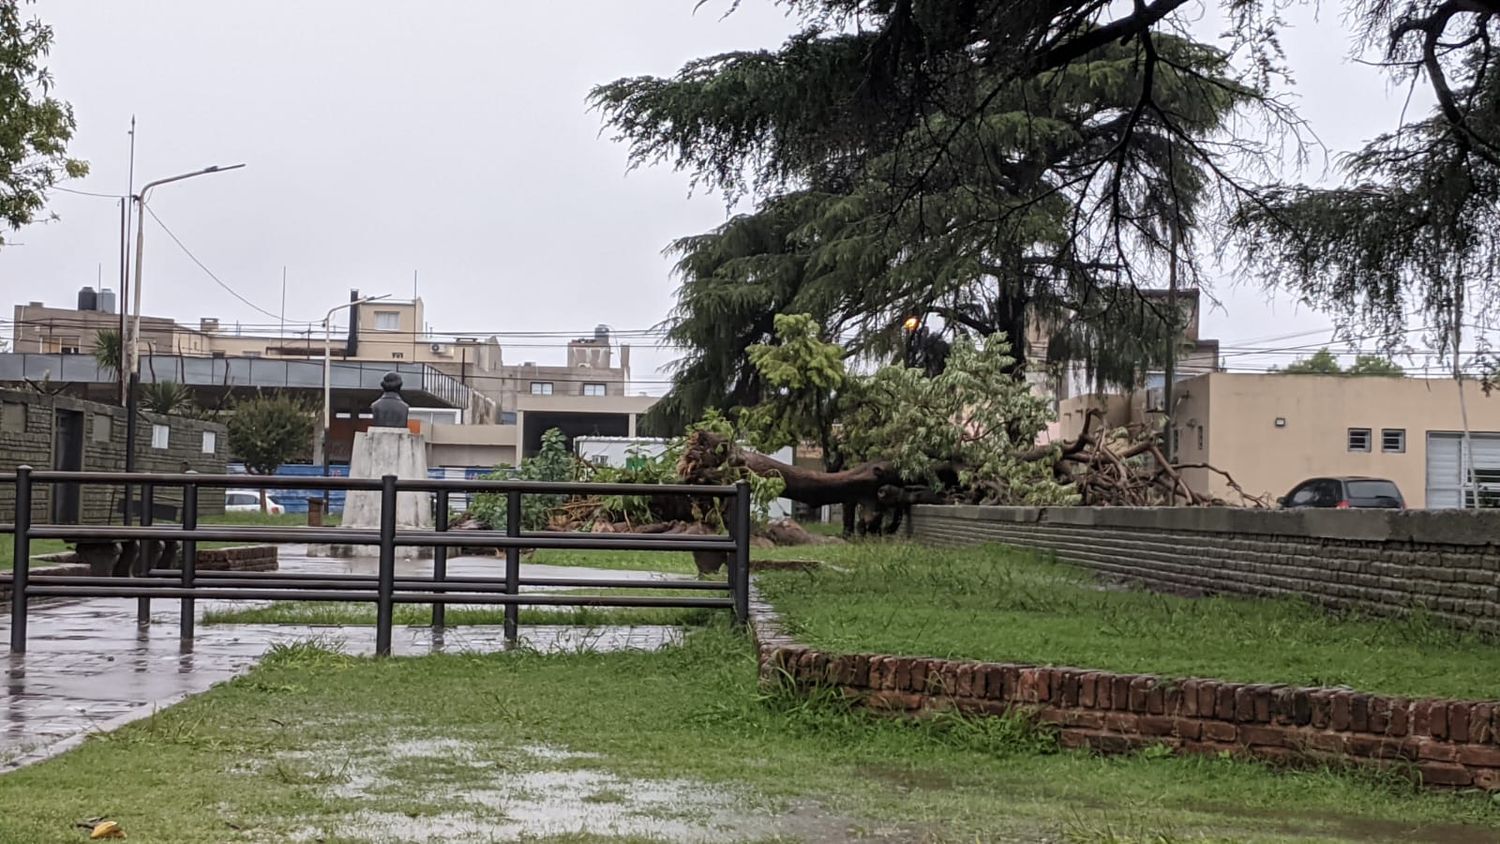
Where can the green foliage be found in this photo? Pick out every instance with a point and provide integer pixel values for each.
(34, 126)
(268, 430)
(552, 463)
(804, 379)
(976, 203)
(107, 349)
(167, 397)
(972, 416)
(1324, 362)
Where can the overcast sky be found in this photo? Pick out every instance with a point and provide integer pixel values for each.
(451, 139)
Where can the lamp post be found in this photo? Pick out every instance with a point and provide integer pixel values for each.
(133, 347)
(328, 367)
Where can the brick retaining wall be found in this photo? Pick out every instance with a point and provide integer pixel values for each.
(1445, 742)
(1375, 561)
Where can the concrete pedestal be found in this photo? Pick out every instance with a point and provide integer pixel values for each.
(379, 452)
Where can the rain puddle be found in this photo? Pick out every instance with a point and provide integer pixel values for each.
(452, 790)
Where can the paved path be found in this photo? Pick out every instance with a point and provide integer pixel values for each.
(89, 668)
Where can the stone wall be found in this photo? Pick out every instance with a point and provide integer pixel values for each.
(1380, 562)
(28, 434)
(1441, 742)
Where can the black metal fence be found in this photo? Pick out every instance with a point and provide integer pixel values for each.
(385, 589)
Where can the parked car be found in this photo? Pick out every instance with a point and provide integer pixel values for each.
(248, 501)
(1345, 493)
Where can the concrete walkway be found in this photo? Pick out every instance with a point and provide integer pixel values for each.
(90, 668)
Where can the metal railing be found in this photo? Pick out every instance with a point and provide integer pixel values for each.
(385, 589)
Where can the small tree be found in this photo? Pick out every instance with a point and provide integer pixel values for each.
(1323, 362)
(37, 126)
(107, 350)
(167, 397)
(267, 431)
(806, 382)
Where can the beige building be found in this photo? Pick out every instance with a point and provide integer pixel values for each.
(1269, 432)
(512, 403)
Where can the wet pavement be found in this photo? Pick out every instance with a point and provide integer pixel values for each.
(90, 668)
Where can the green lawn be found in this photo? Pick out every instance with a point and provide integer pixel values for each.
(998, 604)
(38, 548)
(420, 615)
(317, 746)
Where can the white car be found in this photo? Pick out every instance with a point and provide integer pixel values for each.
(248, 501)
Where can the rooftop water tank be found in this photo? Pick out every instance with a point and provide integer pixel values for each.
(88, 300)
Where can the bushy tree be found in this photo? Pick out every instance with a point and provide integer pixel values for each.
(1324, 362)
(167, 397)
(267, 431)
(107, 350)
(35, 127)
(551, 463)
(806, 384)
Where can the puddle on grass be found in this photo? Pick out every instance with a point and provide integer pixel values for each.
(469, 794)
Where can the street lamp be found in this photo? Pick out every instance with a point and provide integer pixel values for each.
(132, 359)
(328, 366)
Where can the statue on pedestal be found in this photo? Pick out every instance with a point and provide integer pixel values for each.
(390, 410)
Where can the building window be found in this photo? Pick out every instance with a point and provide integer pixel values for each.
(398, 355)
(210, 442)
(160, 436)
(13, 418)
(101, 428)
(1359, 439)
(593, 389)
(387, 320)
(1393, 440)
(1200, 437)
(541, 388)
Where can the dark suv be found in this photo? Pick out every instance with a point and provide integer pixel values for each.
(1345, 493)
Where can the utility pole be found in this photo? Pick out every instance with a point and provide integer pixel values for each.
(1466, 455)
(1168, 389)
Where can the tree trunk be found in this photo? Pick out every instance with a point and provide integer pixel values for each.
(706, 455)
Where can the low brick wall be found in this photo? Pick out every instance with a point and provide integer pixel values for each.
(241, 558)
(1380, 562)
(1445, 742)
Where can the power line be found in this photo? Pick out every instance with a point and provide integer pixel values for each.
(230, 290)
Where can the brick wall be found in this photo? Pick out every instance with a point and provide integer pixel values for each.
(1374, 561)
(28, 433)
(1443, 742)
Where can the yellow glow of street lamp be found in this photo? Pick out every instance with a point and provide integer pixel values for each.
(911, 323)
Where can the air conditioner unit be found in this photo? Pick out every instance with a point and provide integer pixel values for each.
(441, 349)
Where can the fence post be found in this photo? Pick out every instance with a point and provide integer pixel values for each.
(189, 557)
(143, 552)
(384, 603)
(440, 560)
(739, 572)
(23, 561)
(512, 563)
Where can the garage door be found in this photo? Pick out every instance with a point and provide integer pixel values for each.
(1447, 481)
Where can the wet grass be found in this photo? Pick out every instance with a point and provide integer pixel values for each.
(420, 615)
(320, 745)
(39, 547)
(1000, 604)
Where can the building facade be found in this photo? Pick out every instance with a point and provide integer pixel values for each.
(1272, 431)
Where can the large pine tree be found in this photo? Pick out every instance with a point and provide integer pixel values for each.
(906, 168)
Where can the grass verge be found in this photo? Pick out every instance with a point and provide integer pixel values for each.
(314, 745)
(1000, 604)
(420, 615)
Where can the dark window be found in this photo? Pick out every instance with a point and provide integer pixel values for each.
(1359, 439)
(1302, 496)
(1393, 440)
(1374, 492)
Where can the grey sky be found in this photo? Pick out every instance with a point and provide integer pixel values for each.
(450, 138)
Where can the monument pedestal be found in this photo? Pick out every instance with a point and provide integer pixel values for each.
(379, 452)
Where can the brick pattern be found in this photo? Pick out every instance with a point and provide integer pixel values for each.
(101, 504)
(1458, 582)
(1444, 742)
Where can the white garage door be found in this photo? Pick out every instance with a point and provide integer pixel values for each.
(1447, 472)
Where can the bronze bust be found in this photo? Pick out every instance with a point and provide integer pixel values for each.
(390, 410)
